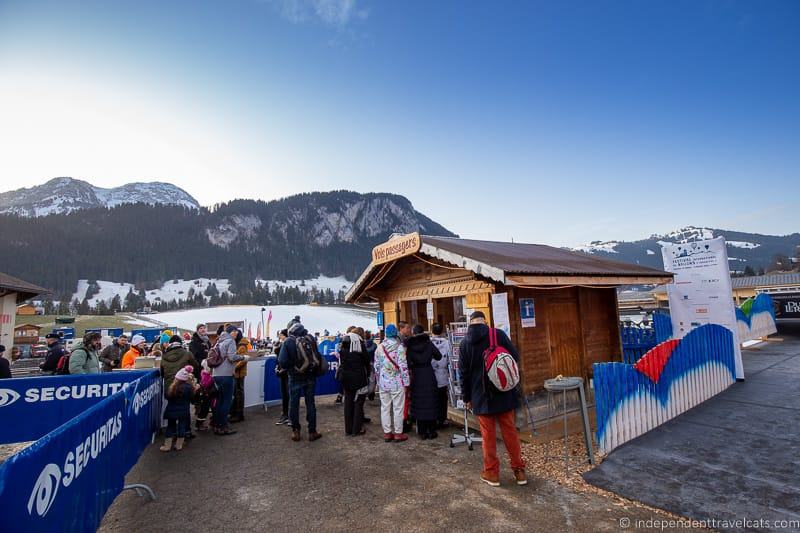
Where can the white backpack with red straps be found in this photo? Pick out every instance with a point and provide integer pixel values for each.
(500, 366)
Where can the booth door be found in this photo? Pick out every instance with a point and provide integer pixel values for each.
(566, 348)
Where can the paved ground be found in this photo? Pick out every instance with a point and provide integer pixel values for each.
(737, 454)
(259, 480)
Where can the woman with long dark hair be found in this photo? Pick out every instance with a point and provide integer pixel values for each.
(420, 351)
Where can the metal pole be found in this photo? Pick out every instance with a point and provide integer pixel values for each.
(566, 449)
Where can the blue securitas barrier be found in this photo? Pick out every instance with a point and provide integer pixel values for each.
(33, 407)
(326, 384)
(66, 480)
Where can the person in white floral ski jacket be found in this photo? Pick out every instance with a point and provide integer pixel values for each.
(391, 370)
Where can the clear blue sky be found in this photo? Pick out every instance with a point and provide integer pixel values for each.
(558, 122)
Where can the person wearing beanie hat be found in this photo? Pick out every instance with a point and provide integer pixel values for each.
(391, 371)
(179, 397)
(223, 377)
(301, 384)
(138, 346)
(85, 356)
(239, 373)
(174, 359)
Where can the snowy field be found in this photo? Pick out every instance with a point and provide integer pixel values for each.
(316, 318)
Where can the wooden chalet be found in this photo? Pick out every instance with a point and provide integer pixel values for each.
(562, 305)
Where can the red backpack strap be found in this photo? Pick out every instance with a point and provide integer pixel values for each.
(492, 339)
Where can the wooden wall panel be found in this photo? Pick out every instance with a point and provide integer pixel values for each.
(532, 343)
(566, 342)
(600, 326)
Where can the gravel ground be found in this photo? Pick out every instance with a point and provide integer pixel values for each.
(259, 480)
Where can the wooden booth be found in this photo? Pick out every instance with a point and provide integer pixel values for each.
(560, 306)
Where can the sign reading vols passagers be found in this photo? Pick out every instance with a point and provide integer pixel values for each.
(396, 248)
(701, 292)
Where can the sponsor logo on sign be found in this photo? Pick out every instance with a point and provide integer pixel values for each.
(46, 487)
(144, 397)
(66, 392)
(8, 396)
(45, 490)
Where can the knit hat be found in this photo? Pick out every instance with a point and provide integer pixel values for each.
(137, 340)
(176, 338)
(164, 339)
(296, 328)
(391, 331)
(184, 373)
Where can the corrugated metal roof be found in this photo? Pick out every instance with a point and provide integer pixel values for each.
(768, 280)
(24, 289)
(520, 258)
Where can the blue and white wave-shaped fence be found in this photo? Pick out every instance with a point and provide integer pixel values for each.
(671, 378)
(755, 318)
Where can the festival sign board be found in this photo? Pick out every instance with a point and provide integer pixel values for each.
(396, 248)
(701, 292)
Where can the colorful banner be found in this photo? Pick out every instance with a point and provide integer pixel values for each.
(67, 480)
(46, 402)
(701, 292)
(755, 318)
(673, 377)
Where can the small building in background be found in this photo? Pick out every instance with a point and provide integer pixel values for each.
(26, 334)
(13, 291)
(27, 310)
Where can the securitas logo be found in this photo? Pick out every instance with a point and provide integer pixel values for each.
(8, 396)
(144, 397)
(64, 392)
(52, 477)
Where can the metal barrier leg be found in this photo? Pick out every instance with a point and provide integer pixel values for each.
(141, 488)
(587, 432)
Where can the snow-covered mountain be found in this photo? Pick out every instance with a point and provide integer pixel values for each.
(65, 195)
(744, 249)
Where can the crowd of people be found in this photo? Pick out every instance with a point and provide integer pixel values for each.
(404, 367)
(408, 369)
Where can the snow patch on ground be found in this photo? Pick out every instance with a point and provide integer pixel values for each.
(177, 290)
(598, 246)
(742, 244)
(316, 318)
(320, 282)
(168, 292)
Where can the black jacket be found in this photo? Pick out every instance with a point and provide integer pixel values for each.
(287, 359)
(54, 353)
(475, 387)
(111, 356)
(420, 351)
(5, 368)
(354, 366)
(199, 348)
